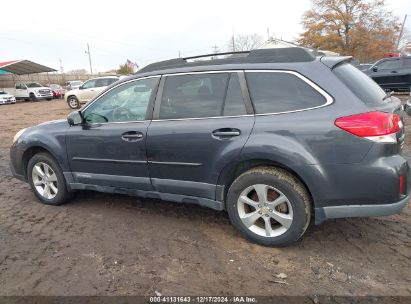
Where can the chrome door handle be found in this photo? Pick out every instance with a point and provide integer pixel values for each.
(131, 136)
(226, 132)
(229, 133)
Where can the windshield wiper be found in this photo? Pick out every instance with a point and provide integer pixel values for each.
(388, 95)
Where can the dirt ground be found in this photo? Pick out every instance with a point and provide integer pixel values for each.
(102, 244)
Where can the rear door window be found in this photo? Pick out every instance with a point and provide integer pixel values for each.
(104, 82)
(201, 95)
(276, 92)
(360, 84)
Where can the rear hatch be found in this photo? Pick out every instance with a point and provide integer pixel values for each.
(371, 94)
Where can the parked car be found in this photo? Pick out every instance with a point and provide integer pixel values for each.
(32, 91)
(6, 98)
(58, 91)
(407, 105)
(392, 73)
(73, 84)
(364, 66)
(88, 90)
(275, 138)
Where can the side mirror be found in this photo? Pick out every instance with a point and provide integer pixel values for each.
(375, 69)
(75, 118)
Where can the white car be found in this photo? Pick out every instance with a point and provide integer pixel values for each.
(6, 98)
(73, 84)
(88, 90)
(30, 91)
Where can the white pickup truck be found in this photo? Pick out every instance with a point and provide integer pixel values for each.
(32, 91)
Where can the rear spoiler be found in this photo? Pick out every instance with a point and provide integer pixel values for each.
(334, 61)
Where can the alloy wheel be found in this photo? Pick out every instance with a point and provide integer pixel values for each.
(44, 180)
(265, 210)
(73, 103)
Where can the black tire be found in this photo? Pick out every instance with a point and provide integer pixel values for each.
(49, 99)
(290, 186)
(32, 97)
(63, 195)
(73, 102)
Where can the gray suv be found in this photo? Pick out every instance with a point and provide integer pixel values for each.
(278, 138)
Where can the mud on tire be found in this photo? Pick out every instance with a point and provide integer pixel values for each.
(285, 199)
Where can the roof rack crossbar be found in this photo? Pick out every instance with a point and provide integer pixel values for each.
(216, 54)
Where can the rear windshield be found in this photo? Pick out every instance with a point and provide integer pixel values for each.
(360, 84)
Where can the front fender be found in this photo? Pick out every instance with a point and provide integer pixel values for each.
(50, 137)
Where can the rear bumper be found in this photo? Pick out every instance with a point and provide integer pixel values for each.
(332, 212)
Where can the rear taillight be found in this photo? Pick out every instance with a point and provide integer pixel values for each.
(376, 126)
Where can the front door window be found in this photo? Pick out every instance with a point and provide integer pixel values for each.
(127, 102)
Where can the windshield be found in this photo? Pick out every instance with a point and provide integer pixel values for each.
(2, 93)
(34, 85)
(55, 86)
(360, 84)
(76, 83)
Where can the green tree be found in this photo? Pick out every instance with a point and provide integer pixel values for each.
(125, 69)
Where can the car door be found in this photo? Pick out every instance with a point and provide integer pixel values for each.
(386, 73)
(86, 91)
(21, 91)
(404, 73)
(200, 124)
(109, 148)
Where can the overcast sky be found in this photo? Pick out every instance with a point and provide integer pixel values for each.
(142, 31)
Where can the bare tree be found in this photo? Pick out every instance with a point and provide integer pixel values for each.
(245, 42)
(77, 72)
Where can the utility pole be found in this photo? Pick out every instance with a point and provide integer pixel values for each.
(268, 33)
(62, 71)
(215, 51)
(61, 66)
(402, 30)
(179, 54)
(89, 58)
(233, 42)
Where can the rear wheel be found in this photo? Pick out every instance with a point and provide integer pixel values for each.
(73, 102)
(47, 180)
(269, 206)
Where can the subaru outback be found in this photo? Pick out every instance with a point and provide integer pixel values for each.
(277, 138)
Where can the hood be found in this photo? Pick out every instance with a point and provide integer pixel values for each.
(5, 96)
(52, 122)
(73, 91)
(41, 88)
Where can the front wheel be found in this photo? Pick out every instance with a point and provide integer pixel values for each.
(269, 206)
(32, 97)
(73, 102)
(46, 180)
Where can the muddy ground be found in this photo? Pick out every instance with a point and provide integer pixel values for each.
(102, 244)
